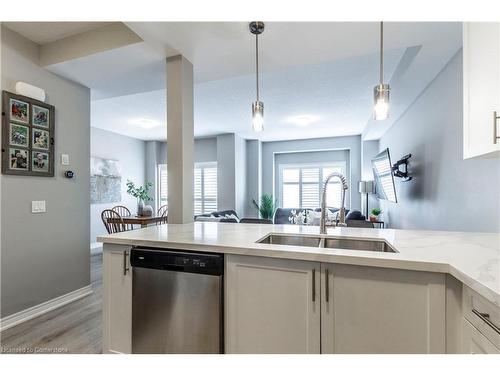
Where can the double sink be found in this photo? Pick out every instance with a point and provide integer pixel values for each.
(328, 242)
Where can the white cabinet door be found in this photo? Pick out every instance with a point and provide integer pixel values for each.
(117, 300)
(272, 305)
(481, 88)
(474, 342)
(381, 310)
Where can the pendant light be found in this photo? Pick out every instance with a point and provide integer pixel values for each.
(381, 91)
(257, 28)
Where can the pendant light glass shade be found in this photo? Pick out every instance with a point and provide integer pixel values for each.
(381, 101)
(382, 90)
(258, 116)
(257, 28)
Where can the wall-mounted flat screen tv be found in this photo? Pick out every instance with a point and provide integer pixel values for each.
(384, 178)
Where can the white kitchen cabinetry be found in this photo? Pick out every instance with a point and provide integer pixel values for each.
(381, 310)
(272, 305)
(481, 88)
(288, 306)
(481, 324)
(117, 299)
(474, 342)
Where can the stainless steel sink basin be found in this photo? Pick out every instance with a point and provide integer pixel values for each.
(328, 242)
(350, 244)
(279, 239)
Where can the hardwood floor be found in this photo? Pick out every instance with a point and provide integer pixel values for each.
(74, 328)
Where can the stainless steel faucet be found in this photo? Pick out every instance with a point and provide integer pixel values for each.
(322, 225)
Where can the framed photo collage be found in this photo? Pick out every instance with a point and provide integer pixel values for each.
(27, 136)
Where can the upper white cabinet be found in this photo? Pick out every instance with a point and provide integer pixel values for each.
(272, 305)
(379, 310)
(481, 89)
(117, 300)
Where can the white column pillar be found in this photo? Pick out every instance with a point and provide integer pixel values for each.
(180, 140)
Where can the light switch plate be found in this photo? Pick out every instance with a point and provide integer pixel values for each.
(64, 159)
(38, 207)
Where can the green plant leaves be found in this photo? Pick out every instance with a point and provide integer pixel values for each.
(267, 206)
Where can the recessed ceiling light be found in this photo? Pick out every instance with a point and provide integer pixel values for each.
(145, 123)
(302, 120)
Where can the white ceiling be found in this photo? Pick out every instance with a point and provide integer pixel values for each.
(338, 95)
(324, 70)
(46, 32)
(121, 71)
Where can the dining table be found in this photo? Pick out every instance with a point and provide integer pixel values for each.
(143, 221)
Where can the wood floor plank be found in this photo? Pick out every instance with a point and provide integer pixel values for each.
(74, 328)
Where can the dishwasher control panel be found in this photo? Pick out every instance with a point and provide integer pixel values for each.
(172, 260)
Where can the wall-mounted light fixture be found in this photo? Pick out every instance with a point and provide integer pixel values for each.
(257, 28)
(25, 89)
(382, 90)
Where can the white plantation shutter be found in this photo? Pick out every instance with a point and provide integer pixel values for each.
(205, 188)
(162, 185)
(301, 185)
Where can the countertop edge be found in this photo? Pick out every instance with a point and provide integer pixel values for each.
(411, 265)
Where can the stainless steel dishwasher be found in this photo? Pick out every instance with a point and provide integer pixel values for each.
(177, 301)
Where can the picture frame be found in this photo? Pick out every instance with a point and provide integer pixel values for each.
(28, 136)
(19, 135)
(40, 139)
(40, 116)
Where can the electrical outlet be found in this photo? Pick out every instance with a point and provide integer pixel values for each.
(64, 159)
(38, 207)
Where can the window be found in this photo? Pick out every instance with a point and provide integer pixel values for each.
(205, 187)
(301, 185)
(162, 185)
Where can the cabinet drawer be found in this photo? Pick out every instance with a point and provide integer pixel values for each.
(474, 342)
(482, 314)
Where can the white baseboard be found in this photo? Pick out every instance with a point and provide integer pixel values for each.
(95, 248)
(45, 307)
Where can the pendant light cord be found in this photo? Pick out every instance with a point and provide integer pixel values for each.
(381, 52)
(257, 63)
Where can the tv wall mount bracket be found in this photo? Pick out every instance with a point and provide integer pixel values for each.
(402, 173)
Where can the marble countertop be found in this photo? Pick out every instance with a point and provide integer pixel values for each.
(472, 258)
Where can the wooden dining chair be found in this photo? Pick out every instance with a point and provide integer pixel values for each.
(116, 225)
(124, 211)
(163, 213)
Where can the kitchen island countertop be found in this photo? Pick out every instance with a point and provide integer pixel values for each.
(472, 258)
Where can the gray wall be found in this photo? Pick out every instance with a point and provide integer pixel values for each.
(351, 143)
(254, 176)
(205, 150)
(447, 192)
(231, 173)
(368, 150)
(46, 255)
(131, 153)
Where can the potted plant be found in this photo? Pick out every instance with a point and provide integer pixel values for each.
(375, 212)
(267, 206)
(141, 193)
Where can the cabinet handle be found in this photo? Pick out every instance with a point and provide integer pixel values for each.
(314, 285)
(125, 268)
(495, 132)
(486, 318)
(327, 287)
